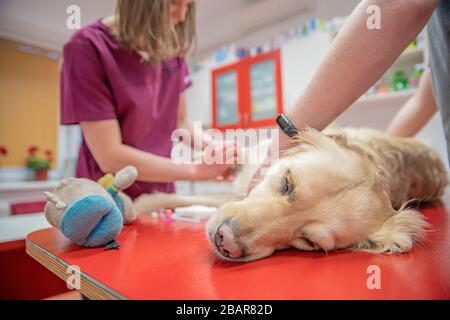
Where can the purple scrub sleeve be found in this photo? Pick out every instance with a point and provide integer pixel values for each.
(102, 81)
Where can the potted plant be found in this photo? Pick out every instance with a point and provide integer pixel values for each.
(3, 151)
(38, 165)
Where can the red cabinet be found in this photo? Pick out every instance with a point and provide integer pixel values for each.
(248, 93)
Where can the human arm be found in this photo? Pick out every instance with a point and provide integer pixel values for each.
(201, 139)
(358, 57)
(111, 154)
(416, 112)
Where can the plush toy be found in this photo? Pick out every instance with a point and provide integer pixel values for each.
(89, 213)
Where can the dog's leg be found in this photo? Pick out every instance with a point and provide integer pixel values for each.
(148, 203)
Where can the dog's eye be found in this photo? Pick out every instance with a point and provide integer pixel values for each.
(309, 242)
(306, 238)
(286, 186)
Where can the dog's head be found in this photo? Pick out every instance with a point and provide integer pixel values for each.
(323, 195)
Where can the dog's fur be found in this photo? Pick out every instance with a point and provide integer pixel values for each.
(348, 189)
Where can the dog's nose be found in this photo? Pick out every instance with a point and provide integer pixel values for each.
(226, 242)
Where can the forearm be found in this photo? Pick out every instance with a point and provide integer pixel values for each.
(104, 140)
(411, 118)
(151, 168)
(357, 58)
(199, 138)
(416, 112)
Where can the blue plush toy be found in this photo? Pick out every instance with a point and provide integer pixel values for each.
(89, 214)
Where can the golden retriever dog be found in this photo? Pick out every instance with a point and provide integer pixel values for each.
(342, 189)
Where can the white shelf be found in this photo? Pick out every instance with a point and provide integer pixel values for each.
(22, 191)
(389, 95)
(388, 98)
(408, 57)
(27, 185)
(18, 227)
(411, 56)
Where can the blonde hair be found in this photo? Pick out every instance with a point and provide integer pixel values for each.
(145, 25)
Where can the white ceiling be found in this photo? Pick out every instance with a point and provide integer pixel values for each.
(43, 22)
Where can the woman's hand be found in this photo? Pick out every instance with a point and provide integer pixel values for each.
(218, 162)
(209, 171)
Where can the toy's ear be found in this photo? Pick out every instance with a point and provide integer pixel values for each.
(397, 234)
(125, 177)
(53, 209)
(53, 198)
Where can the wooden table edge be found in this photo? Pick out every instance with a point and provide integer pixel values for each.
(89, 287)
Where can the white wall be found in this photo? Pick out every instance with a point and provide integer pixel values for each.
(300, 59)
(221, 24)
(43, 22)
(199, 97)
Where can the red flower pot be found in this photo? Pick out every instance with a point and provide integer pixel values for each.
(41, 175)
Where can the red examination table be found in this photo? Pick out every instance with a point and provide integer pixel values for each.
(172, 260)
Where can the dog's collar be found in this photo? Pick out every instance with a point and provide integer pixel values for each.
(287, 126)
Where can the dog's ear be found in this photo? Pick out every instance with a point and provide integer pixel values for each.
(339, 138)
(310, 138)
(397, 234)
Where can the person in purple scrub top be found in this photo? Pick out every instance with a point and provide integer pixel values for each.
(123, 80)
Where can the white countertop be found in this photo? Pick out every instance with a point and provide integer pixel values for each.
(14, 228)
(27, 185)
